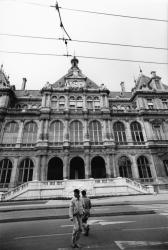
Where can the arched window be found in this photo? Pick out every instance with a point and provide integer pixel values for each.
(89, 103)
(165, 162)
(29, 134)
(95, 132)
(18, 106)
(119, 133)
(54, 102)
(5, 172)
(24, 106)
(56, 133)
(143, 167)
(96, 103)
(76, 133)
(72, 102)
(136, 132)
(26, 171)
(62, 102)
(79, 102)
(125, 167)
(10, 134)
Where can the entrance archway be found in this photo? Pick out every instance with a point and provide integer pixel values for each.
(77, 170)
(98, 169)
(55, 169)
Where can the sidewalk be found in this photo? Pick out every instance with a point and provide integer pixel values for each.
(58, 209)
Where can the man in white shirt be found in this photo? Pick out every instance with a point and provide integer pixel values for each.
(75, 214)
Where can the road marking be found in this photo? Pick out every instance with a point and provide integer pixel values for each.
(164, 214)
(114, 222)
(39, 236)
(144, 228)
(91, 222)
(66, 225)
(128, 244)
(102, 209)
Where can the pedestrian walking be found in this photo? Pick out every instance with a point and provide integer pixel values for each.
(75, 213)
(87, 206)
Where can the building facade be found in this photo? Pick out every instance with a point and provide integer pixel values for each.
(76, 129)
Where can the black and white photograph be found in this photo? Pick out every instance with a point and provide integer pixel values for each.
(83, 124)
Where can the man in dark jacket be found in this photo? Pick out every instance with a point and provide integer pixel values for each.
(87, 206)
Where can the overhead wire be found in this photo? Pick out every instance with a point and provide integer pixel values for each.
(25, 2)
(116, 15)
(84, 57)
(92, 12)
(84, 41)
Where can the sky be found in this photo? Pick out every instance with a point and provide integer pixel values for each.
(37, 18)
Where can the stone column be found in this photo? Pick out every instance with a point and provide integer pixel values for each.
(66, 103)
(66, 166)
(48, 101)
(108, 170)
(86, 133)
(40, 131)
(44, 167)
(20, 133)
(153, 168)
(128, 133)
(101, 102)
(144, 131)
(87, 166)
(46, 130)
(84, 103)
(114, 171)
(66, 133)
(6, 101)
(165, 127)
(104, 130)
(43, 100)
(14, 174)
(134, 168)
(36, 170)
(148, 129)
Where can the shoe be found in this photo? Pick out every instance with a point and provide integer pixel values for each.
(87, 231)
(75, 246)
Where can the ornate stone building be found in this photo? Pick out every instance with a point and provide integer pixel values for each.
(75, 129)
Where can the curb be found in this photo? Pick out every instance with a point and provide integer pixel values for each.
(67, 217)
(127, 203)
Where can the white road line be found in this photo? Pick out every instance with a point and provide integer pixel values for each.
(66, 225)
(144, 228)
(128, 244)
(39, 236)
(104, 223)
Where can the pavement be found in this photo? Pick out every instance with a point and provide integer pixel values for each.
(16, 211)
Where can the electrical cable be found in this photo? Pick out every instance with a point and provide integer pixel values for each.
(93, 12)
(85, 41)
(116, 15)
(84, 57)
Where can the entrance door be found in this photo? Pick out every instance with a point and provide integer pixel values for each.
(55, 169)
(98, 167)
(77, 170)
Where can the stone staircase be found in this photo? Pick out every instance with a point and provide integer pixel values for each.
(64, 188)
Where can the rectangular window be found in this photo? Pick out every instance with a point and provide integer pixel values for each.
(165, 103)
(150, 103)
